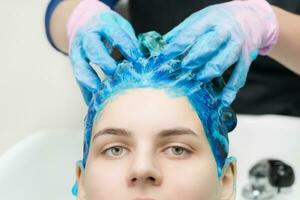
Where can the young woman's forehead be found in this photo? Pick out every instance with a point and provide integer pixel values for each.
(148, 109)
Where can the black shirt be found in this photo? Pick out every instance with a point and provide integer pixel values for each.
(270, 87)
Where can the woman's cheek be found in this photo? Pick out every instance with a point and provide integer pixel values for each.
(196, 186)
(99, 175)
(194, 180)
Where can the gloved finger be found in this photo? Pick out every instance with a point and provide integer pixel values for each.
(120, 39)
(189, 21)
(182, 42)
(236, 80)
(206, 47)
(87, 95)
(222, 61)
(98, 54)
(85, 75)
(125, 25)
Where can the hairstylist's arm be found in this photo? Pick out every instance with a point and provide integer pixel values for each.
(221, 35)
(87, 30)
(287, 49)
(58, 23)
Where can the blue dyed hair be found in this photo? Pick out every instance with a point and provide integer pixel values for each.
(216, 119)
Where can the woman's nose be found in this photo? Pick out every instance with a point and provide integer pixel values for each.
(143, 170)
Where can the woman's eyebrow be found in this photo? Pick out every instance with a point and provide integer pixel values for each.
(162, 134)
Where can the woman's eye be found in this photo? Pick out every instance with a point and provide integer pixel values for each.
(114, 151)
(178, 150)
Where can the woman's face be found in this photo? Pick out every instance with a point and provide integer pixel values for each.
(146, 145)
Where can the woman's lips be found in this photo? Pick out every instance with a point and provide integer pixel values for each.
(143, 198)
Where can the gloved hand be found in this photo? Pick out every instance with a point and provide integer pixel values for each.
(93, 29)
(221, 35)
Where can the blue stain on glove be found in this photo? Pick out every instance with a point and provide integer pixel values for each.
(217, 37)
(93, 44)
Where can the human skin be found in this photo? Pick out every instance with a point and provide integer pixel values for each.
(145, 165)
(286, 51)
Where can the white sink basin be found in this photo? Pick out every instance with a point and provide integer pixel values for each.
(41, 167)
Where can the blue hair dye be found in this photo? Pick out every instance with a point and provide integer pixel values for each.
(169, 76)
